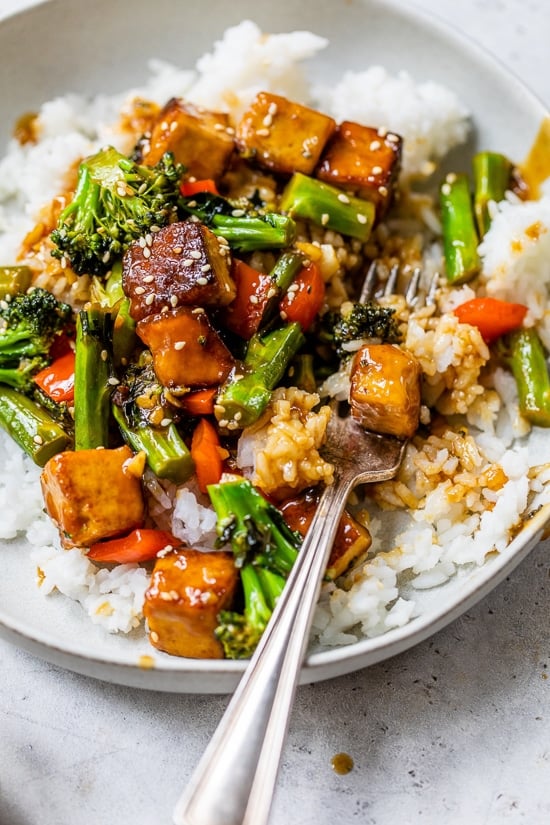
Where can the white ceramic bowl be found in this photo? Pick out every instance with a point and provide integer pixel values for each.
(64, 45)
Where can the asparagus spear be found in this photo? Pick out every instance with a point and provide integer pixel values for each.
(460, 239)
(92, 378)
(167, 453)
(327, 206)
(526, 357)
(30, 426)
(491, 180)
(243, 399)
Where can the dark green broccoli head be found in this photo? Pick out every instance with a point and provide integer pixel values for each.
(238, 636)
(139, 392)
(29, 323)
(356, 321)
(116, 201)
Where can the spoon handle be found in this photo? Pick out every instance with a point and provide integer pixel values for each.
(234, 781)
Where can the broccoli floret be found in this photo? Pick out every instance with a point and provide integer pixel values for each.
(116, 201)
(356, 321)
(146, 421)
(265, 550)
(29, 324)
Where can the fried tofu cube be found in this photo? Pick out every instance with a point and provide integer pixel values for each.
(352, 539)
(201, 140)
(182, 265)
(283, 136)
(188, 589)
(363, 160)
(92, 495)
(385, 390)
(187, 351)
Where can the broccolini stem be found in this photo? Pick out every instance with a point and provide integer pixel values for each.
(282, 275)
(92, 381)
(527, 360)
(167, 453)
(30, 426)
(270, 231)
(14, 279)
(491, 180)
(255, 528)
(460, 239)
(243, 399)
(327, 206)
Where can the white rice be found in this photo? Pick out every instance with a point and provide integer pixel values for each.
(428, 548)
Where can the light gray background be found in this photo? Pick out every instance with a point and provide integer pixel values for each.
(457, 730)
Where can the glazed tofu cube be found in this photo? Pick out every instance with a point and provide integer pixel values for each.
(352, 539)
(385, 390)
(183, 264)
(283, 136)
(188, 589)
(187, 351)
(199, 139)
(92, 495)
(363, 160)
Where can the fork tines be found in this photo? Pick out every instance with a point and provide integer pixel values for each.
(376, 287)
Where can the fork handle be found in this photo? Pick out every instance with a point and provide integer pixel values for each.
(234, 781)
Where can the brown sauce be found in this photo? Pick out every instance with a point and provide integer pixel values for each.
(342, 763)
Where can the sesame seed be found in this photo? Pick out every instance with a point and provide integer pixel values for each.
(106, 257)
(139, 290)
(202, 281)
(197, 311)
(113, 381)
(451, 177)
(154, 636)
(253, 299)
(223, 423)
(188, 262)
(104, 355)
(268, 120)
(343, 198)
(382, 132)
(154, 228)
(230, 130)
(219, 127)
(232, 425)
(206, 268)
(283, 315)
(383, 190)
(164, 125)
(177, 250)
(272, 292)
(237, 213)
(192, 204)
(362, 218)
(262, 132)
(63, 262)
(392, 138)
(179, 345)
(38, 439)
(377, 170)
(174, 300)
(146, 252)
(165, 308)
(238, 415)
(194, 219)
(165, 422)
(446, 189)
(175, 595)
(166, 597)
(195, 254)
(147, 280)
(375, 144)
(149, 300)
(272, 108)
(219, 409)
(325, 217)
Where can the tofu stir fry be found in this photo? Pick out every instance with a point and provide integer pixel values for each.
(211, 335)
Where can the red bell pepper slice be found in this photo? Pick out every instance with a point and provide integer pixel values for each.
(140, 545)
(193, 187)
(57, 380)
(304, 297)
(199, 402)
(491, 316)
(207, 453)
(244, 314)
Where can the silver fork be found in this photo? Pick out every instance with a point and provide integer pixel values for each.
(235, 779)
